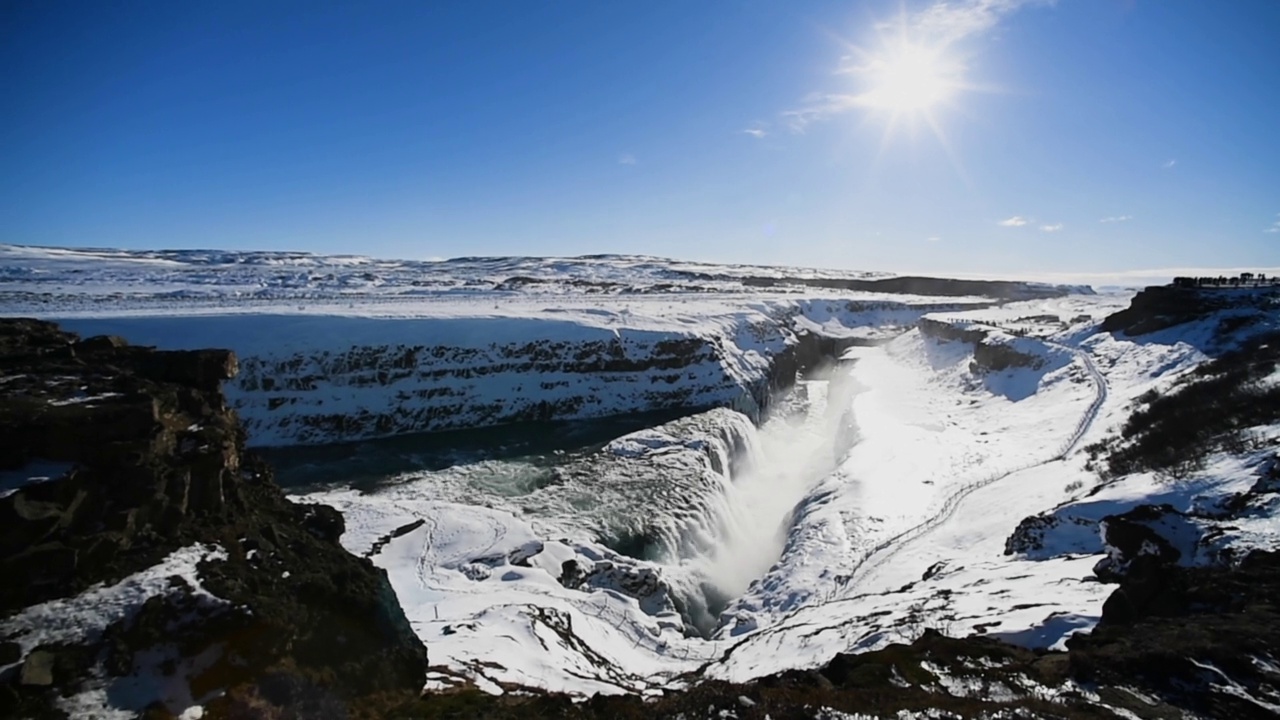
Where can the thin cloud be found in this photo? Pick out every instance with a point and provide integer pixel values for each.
(1015, 221)
(946, 23)
(757, 130)
(1052, 228)
(818, 107)
(626, 159)
(1275, 226)
(934, 238)
(938, 26)
(1116, 219)
(1168, 164)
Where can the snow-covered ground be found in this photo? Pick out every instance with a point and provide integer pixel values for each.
(880, 509)
(83, 619)
(346, 348)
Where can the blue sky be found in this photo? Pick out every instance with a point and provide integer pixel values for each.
(1016, 136)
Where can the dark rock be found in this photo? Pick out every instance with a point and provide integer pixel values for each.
(37, 669)
(1130, 536)
(572, 574)
(1159, 307)
(996, 357)
(10, 653)
(99, 344)
(160, 465)
(946, 331)
(1166, 624)
(322, 521)
(916, 285)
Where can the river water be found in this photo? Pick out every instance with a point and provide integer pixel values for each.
(708, 497)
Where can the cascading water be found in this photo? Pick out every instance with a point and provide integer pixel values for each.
(756, 478)
(708, 498)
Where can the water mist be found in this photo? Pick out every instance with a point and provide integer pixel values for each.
(768, 474)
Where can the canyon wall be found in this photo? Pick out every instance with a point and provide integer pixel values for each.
(313, 379)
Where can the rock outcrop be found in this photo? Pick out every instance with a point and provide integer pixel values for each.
(915, 285)
(993, 350)
(184, 574)
(1197, 638)
(1164, 306)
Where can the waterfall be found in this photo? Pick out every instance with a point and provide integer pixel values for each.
(735, 522)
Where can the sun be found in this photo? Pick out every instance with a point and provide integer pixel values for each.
(907, 79)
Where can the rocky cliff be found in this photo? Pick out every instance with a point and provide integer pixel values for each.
(916, 285)
(152, 565)
(993, 350)
(322, 379)
(1164, 306)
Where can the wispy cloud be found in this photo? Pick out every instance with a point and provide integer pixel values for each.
(934, 238)
(936, 28)
(626, 159)
(1275, 226)
(757, 130)
(1015, 221)
(1052, 228)
(1116, 219)
(1168, 164)
(947, 22)
(818, 107)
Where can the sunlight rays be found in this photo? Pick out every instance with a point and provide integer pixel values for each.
(908, 79)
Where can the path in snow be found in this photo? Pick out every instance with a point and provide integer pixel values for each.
(802, 619)
(886, 549)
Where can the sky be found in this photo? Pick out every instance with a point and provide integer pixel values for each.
(967, 137)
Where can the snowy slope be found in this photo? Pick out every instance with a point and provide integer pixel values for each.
(907, 533)
(895, 495)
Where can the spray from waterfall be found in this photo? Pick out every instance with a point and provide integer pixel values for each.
(735, 530)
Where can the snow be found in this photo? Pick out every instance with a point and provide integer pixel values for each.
(84, 617)
(895, 495)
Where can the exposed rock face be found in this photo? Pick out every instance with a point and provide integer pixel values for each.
(1190, 636)
(946, 331)
(152, 467)
(916, 285)
(997, 357)
(310, 397)
(1029, 536)
(319, 379)
(991, 352)
(1159, 307)
(422, 388)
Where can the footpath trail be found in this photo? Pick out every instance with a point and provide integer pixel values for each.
(801, 619)
(889, 547)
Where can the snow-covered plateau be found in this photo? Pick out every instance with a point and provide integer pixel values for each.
(662, 473)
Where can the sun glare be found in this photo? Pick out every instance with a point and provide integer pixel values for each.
(909, 78)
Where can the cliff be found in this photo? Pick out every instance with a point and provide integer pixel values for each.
(316, 379)
(151, 563)
(916, 285)
(1164, 306)
(993, 350)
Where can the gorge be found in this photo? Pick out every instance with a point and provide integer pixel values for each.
(669, 499)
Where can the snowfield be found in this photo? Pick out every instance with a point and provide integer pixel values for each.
(874, 503)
